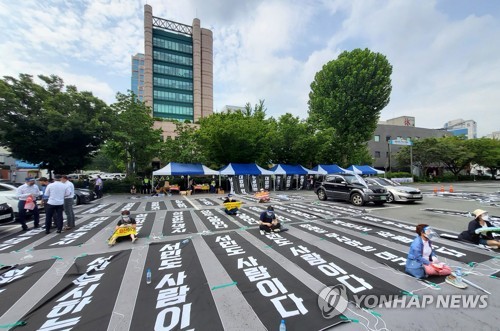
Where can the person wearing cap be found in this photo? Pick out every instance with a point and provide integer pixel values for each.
(124, 221)
(28, 189)
(56, 192)
(481, 220)
(268, 222)
(422, 260)
(231, 211)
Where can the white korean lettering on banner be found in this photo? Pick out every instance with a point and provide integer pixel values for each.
(139, 221)
(216, 221)
(95, 209)
(155, 205)
(19, 239)
(180, 203)
(175, 312)
(247, 219)
(352, 226)
(71, 237)
(266, 182)
(254, 183)
(206, 202)
(76, 299)
(295, 212)
(178, 224)
(314, 209)
(13, 274)
(241, 181)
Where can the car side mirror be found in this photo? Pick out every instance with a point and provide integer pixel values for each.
(343, 182)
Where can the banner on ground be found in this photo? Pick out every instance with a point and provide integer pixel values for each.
(215, 221)
(178, 297)
(155, 206)
(178, 222)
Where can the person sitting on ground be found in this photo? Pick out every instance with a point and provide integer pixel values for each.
(125, 221)
(483, 238)
(133, 190)
(422, 260)
(165, 189)
(268, 221)
(230, 210)
(262, 196)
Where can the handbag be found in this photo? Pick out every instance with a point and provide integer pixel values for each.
(29, 204)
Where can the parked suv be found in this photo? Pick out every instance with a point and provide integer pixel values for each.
(350, 187)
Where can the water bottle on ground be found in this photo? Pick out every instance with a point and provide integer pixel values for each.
(458, 275)
(148, 276)
(282, 325)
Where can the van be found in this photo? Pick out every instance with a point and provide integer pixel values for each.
(77, 177)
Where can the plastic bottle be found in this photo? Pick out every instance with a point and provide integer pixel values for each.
(458, 275)
(148, 276)
(282, 325)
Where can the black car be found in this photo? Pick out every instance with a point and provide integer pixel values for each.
(83, 196)
(6, 213)
(350, 187)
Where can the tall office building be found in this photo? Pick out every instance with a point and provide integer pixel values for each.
(137, 82)
(178, 71)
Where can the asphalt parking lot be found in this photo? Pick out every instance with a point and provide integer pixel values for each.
(228, 276)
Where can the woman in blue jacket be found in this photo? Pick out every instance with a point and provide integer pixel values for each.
(422, 260)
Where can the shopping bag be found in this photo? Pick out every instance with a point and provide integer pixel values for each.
(29, 204)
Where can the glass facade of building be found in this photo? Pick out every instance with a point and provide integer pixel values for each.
(137, 81)
(172, 76)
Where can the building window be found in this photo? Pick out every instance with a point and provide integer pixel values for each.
(376, 138)
(377, 154)
(387, 138)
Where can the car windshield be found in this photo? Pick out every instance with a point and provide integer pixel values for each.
(355, 179)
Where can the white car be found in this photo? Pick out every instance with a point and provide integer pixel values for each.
(396, 191)
(8, 202)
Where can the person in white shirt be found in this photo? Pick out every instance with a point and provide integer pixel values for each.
(68, 203)
(28, 189)
(56, 193)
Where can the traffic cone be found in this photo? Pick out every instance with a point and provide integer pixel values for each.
(451, 188)
(442, 188)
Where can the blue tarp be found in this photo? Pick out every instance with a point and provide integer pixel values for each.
(184, 169)
(289, 169)
(363, 170)
(235, 169)
(325, 169)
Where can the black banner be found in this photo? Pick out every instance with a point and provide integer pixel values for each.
(325, 267)
(272, 291)
(380, 253)
(144, 224)
(84, 298)
(182, 204)
(342, 209)
(79, 234)
(96, 209)
(242, 184)
(155, 206)
(208, 202)
(234, 187)
(178, 297)
(255, 183)
(302, 182)
(17, 280)
(302, 215)
(394, 235)
(215, 221)
(247, 218)
(19, 240)
(288, 182)
(313, 209)
(282, 217)
(132, 206)
(278, 182)
(178, 222)
(267, 183)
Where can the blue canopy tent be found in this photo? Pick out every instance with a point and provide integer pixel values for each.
(184, 169)
(326, 169)
(242, 169)
(363, 170)
(289, 169)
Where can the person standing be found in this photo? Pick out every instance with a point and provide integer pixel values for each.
(28, 189)
(56, 192)
(68, 203)
(98, 187)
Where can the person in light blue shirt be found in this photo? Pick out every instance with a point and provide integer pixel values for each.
(68, 203)
(25, 191)
(56, 193)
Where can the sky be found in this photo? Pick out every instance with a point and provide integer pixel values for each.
(444, 53)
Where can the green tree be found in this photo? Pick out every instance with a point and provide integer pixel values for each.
(486, 153)
(425, 154)
(454, 153)
(60, 129)
(240, 136)
(184, 147)
(134, 142)
(348, 94)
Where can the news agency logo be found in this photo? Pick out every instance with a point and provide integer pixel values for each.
(332, 301)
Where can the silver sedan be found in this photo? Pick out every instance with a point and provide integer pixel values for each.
(397, 192)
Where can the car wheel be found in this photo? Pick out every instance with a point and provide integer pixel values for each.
(390, 197)
(322, 195)
(357, 199)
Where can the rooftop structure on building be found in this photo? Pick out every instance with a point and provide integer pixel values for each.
(178, 71)
(232, 109)
(494, 135)
(460, 127)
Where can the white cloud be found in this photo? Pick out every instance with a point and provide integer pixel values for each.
(445, 65)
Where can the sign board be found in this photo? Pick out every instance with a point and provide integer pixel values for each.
(404, 142)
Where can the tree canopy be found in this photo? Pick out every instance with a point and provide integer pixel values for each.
(47, 124)
(348, 94)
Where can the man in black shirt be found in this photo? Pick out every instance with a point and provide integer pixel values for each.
(268, 221)
(124, 221)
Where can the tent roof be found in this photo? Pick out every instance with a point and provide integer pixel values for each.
(184, 169)
(363, 170)
(325, 169)
(244, 169)
(290, 169)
